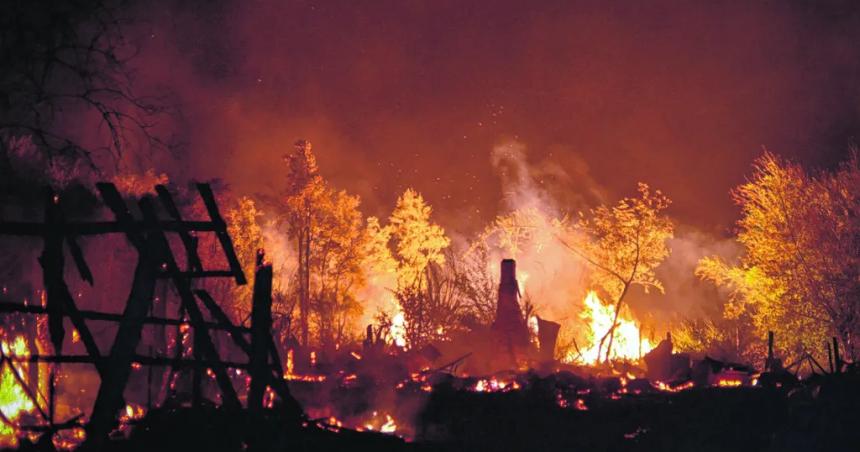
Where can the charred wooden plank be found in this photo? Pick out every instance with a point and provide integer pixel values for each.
(78, 258)
(225, 323)
(114, 201)
(188, 241)
(221, 232)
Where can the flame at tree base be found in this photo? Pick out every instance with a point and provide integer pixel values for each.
(627, 342)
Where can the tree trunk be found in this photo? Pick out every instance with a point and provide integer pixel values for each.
(306, 311)
(611, 332)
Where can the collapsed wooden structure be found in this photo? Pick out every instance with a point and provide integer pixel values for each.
(148, 236)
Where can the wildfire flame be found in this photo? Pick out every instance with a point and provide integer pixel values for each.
(398, 329)
(14, 402)
(626, 342)
(289, 371)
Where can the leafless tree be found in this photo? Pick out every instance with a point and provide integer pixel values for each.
(64, 64)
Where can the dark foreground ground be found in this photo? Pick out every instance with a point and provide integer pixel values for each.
(823, 415)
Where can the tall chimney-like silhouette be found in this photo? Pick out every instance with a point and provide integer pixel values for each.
(509, 323)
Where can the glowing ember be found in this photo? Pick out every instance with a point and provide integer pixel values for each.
(375, 423)
(290, 374)
(332, 424)
(389, 426)
(564, 402)
(669, 388)
(290, 362)
(729, 383)
(132, 412)
(626, 338)
(495, 385)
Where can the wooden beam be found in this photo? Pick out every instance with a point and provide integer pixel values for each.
(8, 306)
(190, 243)
(200, 274)
(221, 232)
(218, 314)
(78, 258)
(142, 359)
(33, 229)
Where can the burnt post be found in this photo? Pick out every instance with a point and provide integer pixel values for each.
(837, 360)
(768, 364)
(261, 332)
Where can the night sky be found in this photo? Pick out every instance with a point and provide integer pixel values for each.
(681, 95)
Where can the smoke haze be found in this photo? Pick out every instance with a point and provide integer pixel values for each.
(396, 94)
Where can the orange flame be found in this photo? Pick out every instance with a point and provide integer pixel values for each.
(14, 402)
(626, 337)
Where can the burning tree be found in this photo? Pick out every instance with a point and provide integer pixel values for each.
(419, 246)
(304, 194)
(337, 259)
(799, 273)
(623, 244)
(333, 246)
